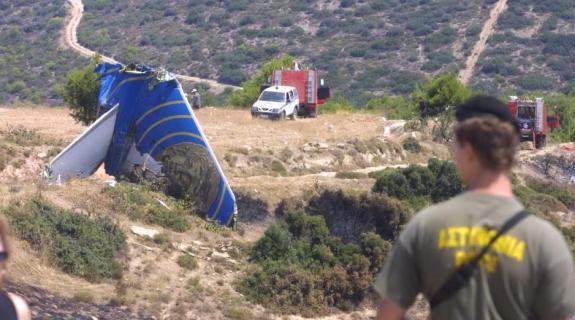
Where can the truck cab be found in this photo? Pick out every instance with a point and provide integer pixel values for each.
(277, 102)
(532, 118)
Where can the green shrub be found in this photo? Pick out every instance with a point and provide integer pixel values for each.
(412, 145)
(23, 137)
(350, 214)
(73, 242)
(562, 192)
(447, 181)
(394, 183)
(437, 182)
(441, 92)
(393, 107)
(533, 82)
(566, 104)
(163, 239)
(301, 268)
(139, 203)
(81, 92)
(569, 233)
(188, 262)
(512, 20)
(337, 104)
(251, 88)
(437, 60)
(350, 175)
(539, 204)
(278, 167)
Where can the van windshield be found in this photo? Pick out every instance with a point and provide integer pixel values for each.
(272, 96)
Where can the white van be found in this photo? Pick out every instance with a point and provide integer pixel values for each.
(277, 102)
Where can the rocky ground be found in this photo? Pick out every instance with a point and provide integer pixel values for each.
(47, 306)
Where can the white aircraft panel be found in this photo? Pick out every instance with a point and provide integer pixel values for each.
(83, 156)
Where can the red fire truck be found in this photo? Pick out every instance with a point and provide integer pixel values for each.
(533, 120)
(311, 89)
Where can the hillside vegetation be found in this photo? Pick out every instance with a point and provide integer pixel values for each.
(532, 48)
(365, 47)
(324, 252)
(32, 63)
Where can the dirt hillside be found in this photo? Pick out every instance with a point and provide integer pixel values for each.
(265, 161)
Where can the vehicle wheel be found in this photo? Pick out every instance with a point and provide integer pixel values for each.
(282, 116)
(313, 114)
(540, 142)
(294, 114)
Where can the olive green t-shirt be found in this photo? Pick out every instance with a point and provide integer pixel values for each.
(528, 273)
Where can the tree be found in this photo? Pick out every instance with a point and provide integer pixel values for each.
(441, 92)
(251, 88)
(81, 92)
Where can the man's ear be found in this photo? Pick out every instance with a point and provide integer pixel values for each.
(468, 152)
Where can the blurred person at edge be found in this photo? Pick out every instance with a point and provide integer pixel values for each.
(527, 273)
(12, 306)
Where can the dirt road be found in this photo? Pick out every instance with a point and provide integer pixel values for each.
(69, 39)
(488, 28)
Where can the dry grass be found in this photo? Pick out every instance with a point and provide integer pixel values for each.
(199, 291)
(34, 270)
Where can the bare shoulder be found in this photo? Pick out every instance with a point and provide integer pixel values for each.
(22, 308)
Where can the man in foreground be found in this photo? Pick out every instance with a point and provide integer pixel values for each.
(525, 271)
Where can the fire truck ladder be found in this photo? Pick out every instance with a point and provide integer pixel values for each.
(310, 87)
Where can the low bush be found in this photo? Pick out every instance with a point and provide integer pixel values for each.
(350, 175)
(437, 182)
(569, 234)
(74, 243)
(393, 107)
(188, 262)
(447, 180)
(139, 203)
(278, 167)
(562, 192)
(250, 92)
(412, 145)
(301, 268)
(349, 214)
(539, 204)
(23, 137)
(337, 104)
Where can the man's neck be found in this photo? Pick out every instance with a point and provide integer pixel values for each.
(493, 183)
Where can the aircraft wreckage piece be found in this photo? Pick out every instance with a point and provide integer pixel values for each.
(154, 131)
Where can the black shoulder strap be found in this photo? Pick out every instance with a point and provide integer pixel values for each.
(7, 307)
(460, 277)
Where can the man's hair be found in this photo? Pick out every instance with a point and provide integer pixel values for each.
(494, 141)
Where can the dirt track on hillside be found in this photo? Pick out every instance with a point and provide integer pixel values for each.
(488, 28)
(69, 40)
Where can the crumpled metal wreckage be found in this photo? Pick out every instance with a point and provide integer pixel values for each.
(147, 124)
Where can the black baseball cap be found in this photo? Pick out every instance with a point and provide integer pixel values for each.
(485, 106)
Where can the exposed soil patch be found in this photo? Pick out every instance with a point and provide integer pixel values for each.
(47, 306)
